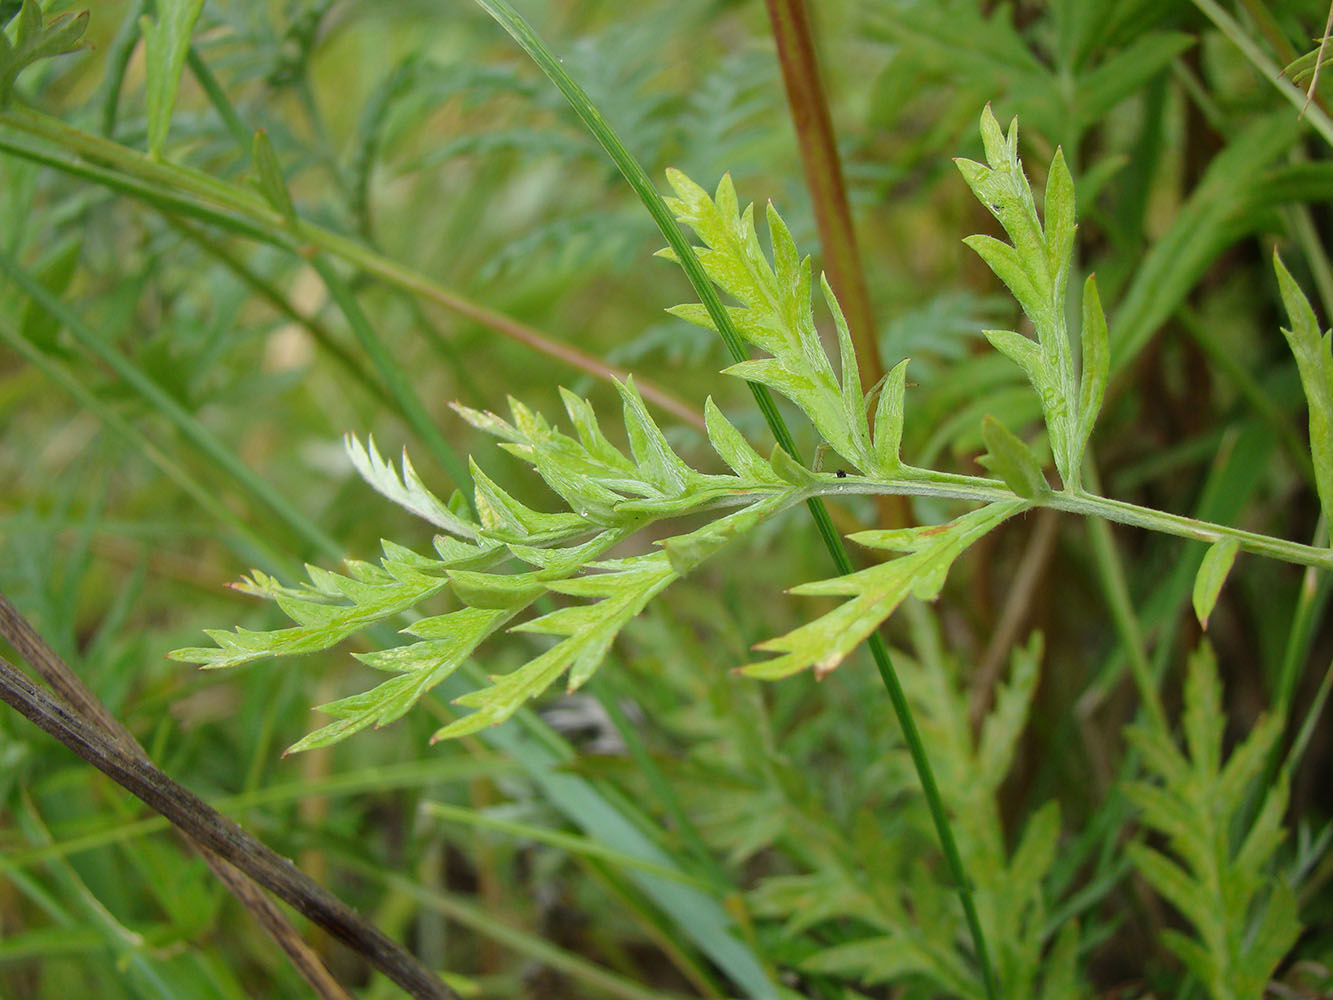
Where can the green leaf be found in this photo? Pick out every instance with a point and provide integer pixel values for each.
(1315, 363)
(1060, 224)
(733, 449)
(408, 491)
(420, 666)
(657, 462)
(876, 592)
(1035, 267)
(1203, 809)
(166, 41)
(1217, 562)
(624, 590)
(1012, 460)
(889, 416)
(775, 313)
(36, 39)
(272, 185)
(1096, 344)
(789, 470)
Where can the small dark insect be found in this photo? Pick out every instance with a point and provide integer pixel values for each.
(842, 474)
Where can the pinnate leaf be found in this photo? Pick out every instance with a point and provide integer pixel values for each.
(875, 592)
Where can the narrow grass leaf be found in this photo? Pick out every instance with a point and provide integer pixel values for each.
(272, 185)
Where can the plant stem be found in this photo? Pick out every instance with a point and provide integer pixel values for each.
(205, 826)
(187, 423)
(638, 179)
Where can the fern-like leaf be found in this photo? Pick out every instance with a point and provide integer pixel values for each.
(1244, 918)
(35, 39)
(875, 592)
(1035, 267)
(775, 315)
(610, 495)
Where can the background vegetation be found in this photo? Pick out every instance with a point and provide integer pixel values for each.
(480, 229)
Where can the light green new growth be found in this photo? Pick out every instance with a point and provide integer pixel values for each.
(166, 40)
(509, 556)
(1314, 360)
(1244, 918)
(1036, 269)
(36, 39)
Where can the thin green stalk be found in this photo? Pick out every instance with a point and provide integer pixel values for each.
(638, 179)
(218, 98)
(184, 421)
(405, 398)
(1310, 602)
(975, 489)
(414, 774)
(570, 843)
(1248, 386)
(241, 210)
(119, 53)
(648, 769)
(264, 288)
(1112, 573)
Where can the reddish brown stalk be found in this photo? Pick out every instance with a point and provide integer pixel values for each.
(823, 176)
(828, 194)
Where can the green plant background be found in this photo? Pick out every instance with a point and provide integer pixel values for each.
(422, 137)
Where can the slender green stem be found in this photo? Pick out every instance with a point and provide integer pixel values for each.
(218, 98)
(571, 843)
(608, 697)
(976, 489)
(638, 179)
(263, 287)
(532, 946)
(249, 544)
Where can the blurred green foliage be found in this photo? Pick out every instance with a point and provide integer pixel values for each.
(417, 133)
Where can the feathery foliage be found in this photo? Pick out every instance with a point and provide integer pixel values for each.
(610, 496)
(442, 190)
(1244, 917)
